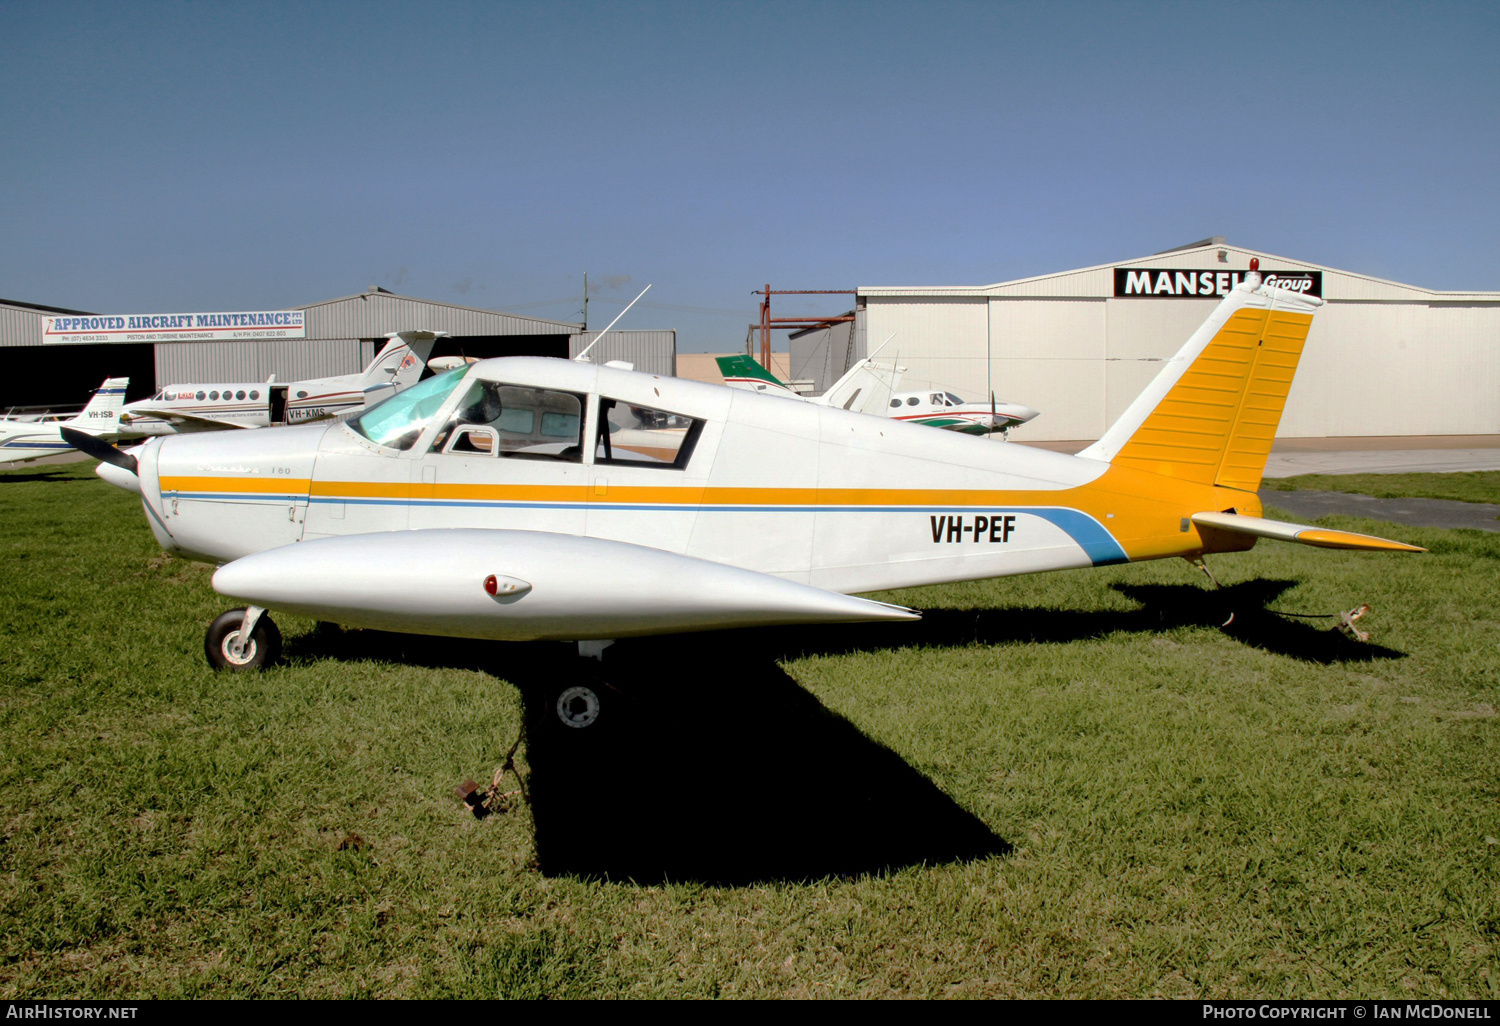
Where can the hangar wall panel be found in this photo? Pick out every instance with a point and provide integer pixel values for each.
(1086, 284)
(1143, 330)
(289, 360)
(822, 355)
(1466, 338)
(1124, 380)
(1051, 328)
(941, 342)
(1068, 393)
(20, 327)
(1390, 369)
(651, 352)
(1354, 287)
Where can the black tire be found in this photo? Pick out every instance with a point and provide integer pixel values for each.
(264, 648)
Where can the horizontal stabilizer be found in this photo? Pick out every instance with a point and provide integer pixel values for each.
(1281, 531)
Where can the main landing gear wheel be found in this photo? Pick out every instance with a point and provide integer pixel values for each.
(577, 706)
(225, 651)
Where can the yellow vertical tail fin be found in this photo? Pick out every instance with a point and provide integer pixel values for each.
(1210, 416)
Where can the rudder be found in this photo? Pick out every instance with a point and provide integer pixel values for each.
(1210, 416)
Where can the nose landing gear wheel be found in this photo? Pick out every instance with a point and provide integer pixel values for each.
(577, 706)
(225, 651)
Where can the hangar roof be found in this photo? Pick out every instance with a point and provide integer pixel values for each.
(376, 312)
(39, 308)
(1098, 281)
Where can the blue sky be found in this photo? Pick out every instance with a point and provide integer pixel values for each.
(230, 156)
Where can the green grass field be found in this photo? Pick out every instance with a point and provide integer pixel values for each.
(1476, 486)
(1073, 784)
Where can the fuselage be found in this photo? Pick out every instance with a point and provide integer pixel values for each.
(22, 440)
(946, 410)
(820, 496)
(241, 404)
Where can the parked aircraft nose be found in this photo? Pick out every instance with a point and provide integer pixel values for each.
(226, 494)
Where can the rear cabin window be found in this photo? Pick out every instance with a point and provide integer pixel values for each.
(643, 436)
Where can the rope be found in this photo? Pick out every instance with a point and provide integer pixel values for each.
(492, 799)
(1345, 619)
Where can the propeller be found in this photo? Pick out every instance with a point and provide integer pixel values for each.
(91, 445)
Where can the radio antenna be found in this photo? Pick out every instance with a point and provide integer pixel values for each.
(582, 357)
(881, 346)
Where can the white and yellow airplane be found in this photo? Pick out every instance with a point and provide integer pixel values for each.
(496, 501)
(253, 404)
(869, 387)
(30, 438)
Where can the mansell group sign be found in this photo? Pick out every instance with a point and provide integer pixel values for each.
(76, 329)
(1179, 283)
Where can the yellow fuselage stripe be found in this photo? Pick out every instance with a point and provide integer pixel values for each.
(1144, 512)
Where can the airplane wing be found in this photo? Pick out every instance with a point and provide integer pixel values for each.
(1322, 537)
(185, 421)
(526, 586)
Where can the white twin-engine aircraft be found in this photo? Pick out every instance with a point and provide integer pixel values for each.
(869, 387)
(252, 404)
(532, 498)
(31, 438)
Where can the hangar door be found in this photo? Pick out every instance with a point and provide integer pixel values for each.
(64, 377)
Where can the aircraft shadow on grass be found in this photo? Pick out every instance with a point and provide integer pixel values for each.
(1162, 607)
(21, 477)
(711, 764)
(705, 765)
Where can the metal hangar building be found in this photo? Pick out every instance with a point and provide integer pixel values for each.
(1382, 359)
(341, 337)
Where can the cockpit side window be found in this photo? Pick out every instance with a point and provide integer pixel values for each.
(397, 422)
(519, 421)
(642, 436)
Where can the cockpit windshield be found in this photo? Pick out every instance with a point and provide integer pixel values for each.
(397, 422)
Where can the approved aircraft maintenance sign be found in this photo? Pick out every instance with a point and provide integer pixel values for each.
(78, 329)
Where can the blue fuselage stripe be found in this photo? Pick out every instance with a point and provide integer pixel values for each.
(1088, 533)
